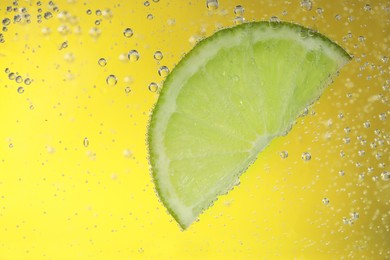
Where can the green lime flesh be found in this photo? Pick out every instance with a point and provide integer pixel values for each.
(225, 101)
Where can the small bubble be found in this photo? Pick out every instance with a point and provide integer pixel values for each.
(274, 22)
(325, 201)
(163, 71)
(10, 145)
(85, 142)
(306, 5)
(97, 22)
(367, 124)
(146, 3)
(127, 153)
(17, 18)
(341, 173)
(212, 4)
(367, 7)
(150, 17)
(111, 80)
(153, 87)
(64, 45)
(346, 140)
(382, 116)
(306, 156)
(19, 79)
(239, 20)
(385, 59)
(6, 21)
(361, 152)
(46, 30)
(20, 90)
(283, 154)
(319, 11)
(354, 215)
(385, 176)
(12, 76)
(361, 38)
(48, 15)
(7, 70)
(158, 55)
(127, 90)
(347, 130)
(89, 12)
(102, 62)
(98, 12)
(337, 17)
(133, 55)
(128, 32)
(95, 32)
(239, 10)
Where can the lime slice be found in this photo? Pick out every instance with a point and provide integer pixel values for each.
(225, 101)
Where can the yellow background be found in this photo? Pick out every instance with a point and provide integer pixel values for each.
(61, 199)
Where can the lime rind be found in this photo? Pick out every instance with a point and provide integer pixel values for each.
(159, 162)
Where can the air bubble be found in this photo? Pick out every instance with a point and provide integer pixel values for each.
(6, 21)
(133, 55)
(158, 55)
(85, 142)
(239, 20)
(367, 7)
(150, 16)
(102, 62)
(89, 12)
(212, 4)
(319, 11)
(17, 18)
(127, 153)
(382, 116)
(19, 79)
(48, 15)
(239, 10)
(306, 5)
(306, 156)
(354, 215)
(111, 80)
(27, 81)
(325, 201)
(127, 90)
(385, 176)
(128, 32)
(12, 76)
(153, 87)
(146, 3)
(341, 173)
(367, 124)
(283, 154)
(163, 71)
(20, 90)
(274, 22)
